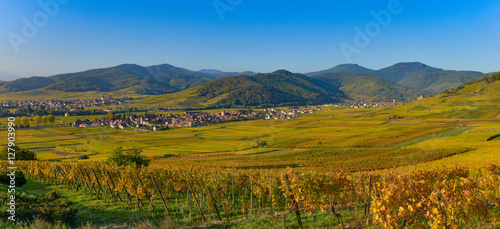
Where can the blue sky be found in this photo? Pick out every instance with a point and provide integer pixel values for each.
(256, 35)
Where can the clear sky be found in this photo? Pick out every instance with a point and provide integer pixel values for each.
(256, 35)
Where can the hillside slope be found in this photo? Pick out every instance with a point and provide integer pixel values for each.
(474, 100)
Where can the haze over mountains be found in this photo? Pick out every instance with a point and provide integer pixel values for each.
(6, 76)
(402, 81)
(218, 73)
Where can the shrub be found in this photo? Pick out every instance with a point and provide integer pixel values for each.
(83, 157)
(21, 154)
(19, 178)
(52, 195)
(51, 209)
(262, 144)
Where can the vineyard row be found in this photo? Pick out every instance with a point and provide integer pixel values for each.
(439, 198)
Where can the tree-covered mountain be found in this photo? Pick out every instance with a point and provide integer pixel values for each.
(399, 71)
(179, 78)
(280, 88)
(219, 74)
(283, 88)
(413, 74)
(346, 68)
(438, 80)
(370, 88)
(246, 88)
(24, 84)
(159, 79)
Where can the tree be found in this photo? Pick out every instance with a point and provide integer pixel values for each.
(44, 119)
(38, 120)
(51, 119)
(21, 154)
(25, 121)
(262, 144)
(110, 115)
(121, 157)
(18, 122)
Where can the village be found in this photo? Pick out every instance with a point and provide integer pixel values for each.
(158, 121)
(273, 113)
(189, 119)
(63, 105)
(363, 104)
(163, 121)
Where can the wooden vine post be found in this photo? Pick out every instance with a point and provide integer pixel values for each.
(138, 202)
(124, 188)
(161, 195)
(271, 192)
(98, 184)
(196, 201)
(215, 203)
(295, 204)
(113, 186)
(232, 185)
(145, 192)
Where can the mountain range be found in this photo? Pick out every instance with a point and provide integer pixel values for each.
(158, 79)
(283, 88)
(402, 81)
(413, 75)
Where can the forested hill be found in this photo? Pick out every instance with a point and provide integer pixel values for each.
(280, 88)
(347, 68)
(370, 88)
(411, 74)
(158, 79)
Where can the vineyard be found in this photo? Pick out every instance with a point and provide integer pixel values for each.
(436, 198)
(334, 168)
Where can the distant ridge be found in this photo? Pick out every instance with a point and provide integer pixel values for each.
(346, 68)
(399, 71)
(218, 73)
(411, 74)
(157, 79)
(370, 88)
